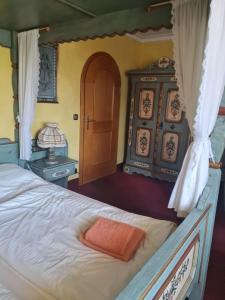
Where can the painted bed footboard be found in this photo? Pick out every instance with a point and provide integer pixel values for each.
(179, 268)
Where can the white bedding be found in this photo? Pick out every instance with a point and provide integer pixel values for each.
(39, 226)
(15, 180)
(6, 294)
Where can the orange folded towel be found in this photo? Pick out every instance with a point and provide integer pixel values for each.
(114, 238)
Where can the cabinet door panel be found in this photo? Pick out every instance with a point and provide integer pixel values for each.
(170, 146)
(173, 113)
(143, 141)
(172, 135)
(146, 95)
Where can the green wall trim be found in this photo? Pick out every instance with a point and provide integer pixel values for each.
(117, 23)
(14, 61)
(5, 38)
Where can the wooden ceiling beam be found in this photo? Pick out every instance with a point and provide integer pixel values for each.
(77, 8)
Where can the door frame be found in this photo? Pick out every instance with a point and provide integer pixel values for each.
(82, 110)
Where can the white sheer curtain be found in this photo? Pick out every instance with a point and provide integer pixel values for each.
(204, 100)
(29, 60)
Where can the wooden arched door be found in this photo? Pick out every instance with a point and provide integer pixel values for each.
(100, 99)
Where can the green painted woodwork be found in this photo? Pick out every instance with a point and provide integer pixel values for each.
(5, 38)
(219, 134)
(21, 15)
(14, 61)
(100, 7)
(9, 151)
(77, 7)
(76, 20)
(26, 14)
(110, 24)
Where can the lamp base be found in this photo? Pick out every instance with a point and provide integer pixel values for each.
(49, 162)
(51, 157)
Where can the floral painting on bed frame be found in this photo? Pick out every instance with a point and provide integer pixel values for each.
(48, 73)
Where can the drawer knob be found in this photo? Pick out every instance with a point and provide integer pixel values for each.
(61, 173)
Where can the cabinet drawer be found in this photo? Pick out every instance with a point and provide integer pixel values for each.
(58, 172)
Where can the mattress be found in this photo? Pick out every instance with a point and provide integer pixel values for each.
(39, 228)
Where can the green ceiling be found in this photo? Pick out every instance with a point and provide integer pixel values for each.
(73, 20)
(25, 14)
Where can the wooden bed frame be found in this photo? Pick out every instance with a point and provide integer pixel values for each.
(179, 268)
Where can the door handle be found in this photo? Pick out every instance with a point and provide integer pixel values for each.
(89, 121)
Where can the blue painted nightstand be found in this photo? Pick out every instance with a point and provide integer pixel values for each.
(57, 173)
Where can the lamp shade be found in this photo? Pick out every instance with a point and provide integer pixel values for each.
(51, 136)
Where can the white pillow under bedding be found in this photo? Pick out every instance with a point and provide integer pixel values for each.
(15, 180)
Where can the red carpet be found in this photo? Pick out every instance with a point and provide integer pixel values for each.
(134, 193)
(145, 196)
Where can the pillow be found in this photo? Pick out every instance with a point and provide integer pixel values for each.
(114, 238)
(15, 180)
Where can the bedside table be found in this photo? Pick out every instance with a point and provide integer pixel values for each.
(57, 173)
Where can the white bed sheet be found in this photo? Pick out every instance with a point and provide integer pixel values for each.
(6, 294)
(38, 238)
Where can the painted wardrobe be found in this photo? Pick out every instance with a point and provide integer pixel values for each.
(157, 130)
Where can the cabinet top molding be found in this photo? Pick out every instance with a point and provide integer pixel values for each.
(164, 65)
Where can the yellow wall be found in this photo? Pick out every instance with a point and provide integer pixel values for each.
(72, 58)
(6, 96)
(150, 52)
(128, 54)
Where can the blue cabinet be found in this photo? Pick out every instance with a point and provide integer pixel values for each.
(57, 173)
(158, 132)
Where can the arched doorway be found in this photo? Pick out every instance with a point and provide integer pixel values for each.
(100, 100)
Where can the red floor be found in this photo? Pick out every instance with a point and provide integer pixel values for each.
(149, 197)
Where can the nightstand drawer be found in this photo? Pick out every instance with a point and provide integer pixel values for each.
(58, 172)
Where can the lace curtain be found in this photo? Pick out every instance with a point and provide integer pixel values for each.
(201, 79)
(29, 60)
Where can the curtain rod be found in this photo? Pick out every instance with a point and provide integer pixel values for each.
(41, 29)
(47, 29)
(155, 5)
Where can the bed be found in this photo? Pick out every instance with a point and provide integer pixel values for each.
(41, 257)
(39, 228)
(6, 294)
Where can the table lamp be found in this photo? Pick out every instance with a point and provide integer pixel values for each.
(51, 137)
